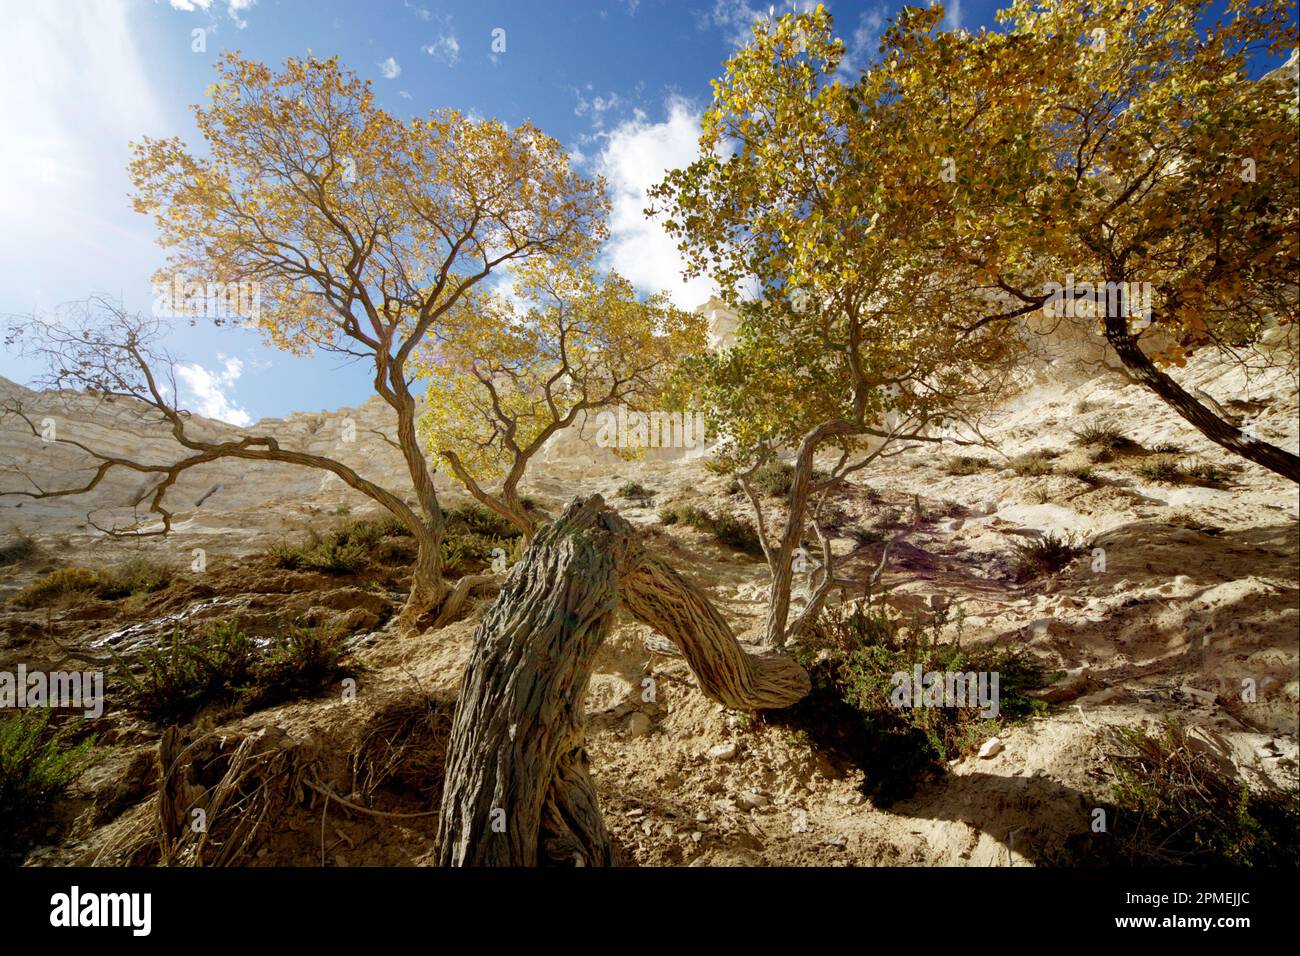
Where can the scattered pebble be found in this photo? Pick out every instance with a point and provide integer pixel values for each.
(638, 725)
(727, 751)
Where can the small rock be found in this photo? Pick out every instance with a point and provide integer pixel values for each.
(697, 836)
(638, 725)
(727, 751)
(839, 840)
(991, 748)
(752, 800)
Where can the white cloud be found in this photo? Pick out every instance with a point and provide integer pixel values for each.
(420, 12)
(865, 41)
(596, 107)
(446, 48)
(77, 91)
(234, 8)
(635, 157)
(209, 390)
(735, 18)
(390, 69)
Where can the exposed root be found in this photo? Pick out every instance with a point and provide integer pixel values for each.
(405, 746)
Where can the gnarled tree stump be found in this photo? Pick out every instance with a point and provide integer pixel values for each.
(517, 791)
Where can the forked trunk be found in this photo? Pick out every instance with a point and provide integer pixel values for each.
(428, 589)
(517, 790)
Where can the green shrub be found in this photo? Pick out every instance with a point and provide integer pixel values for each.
(223, 664)
(775, 479)
(853, 654)
(735, 533)
(480, 520)
(346, 549)
(1084, 474)
(965, 465)
(327, 555)
(1206, 473)
(1162, 469)
(18, 548)
(738, 534)
(61, 583)
(1032, 464)
(37, 762)
(301, 664)
(1105, 435)
(1176, 804)
(634, 491)
(184, 675)
(136, 576)
(1045, 555)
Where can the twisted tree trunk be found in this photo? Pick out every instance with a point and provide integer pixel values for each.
(517, 791)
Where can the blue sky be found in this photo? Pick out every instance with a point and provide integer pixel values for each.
(620, 82)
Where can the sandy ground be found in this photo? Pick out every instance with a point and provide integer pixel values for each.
(1198, 594)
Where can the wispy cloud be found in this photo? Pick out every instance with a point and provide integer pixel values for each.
(390, 69)
(447, 46)
(207, 390)
(863, 44)
(952, 19)
(596, 106)
(234, 8)
(735, 18)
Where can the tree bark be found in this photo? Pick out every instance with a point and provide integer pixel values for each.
(517, 791)
(1209, 424)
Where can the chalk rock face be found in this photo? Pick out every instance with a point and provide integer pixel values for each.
(131, 430)
(723, 322)
(204, 499)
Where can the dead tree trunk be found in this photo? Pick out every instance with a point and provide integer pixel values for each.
(517, 791)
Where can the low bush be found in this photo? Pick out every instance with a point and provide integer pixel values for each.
(1045, 555)
(1174, 803)
(862, 709)
(37, 762)
(223, 664)
(1161, 469)
(1105, 435)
